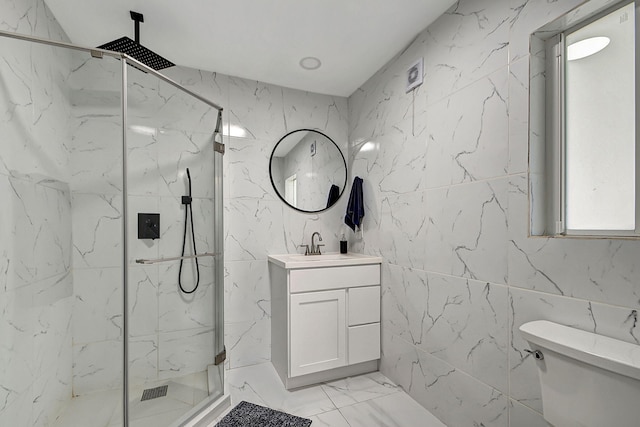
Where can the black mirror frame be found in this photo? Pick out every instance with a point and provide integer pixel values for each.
(274, 185)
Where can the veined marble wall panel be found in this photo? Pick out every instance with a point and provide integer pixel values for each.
(258, 229)
(463, 274)
(35, 220)
(180, 312)
(457, 398)
(36, 295)
(186, 351)
(468, 134)
(467, 230)
(463, 322)
(35, 102)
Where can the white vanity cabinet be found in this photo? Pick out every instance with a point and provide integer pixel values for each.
(325, 317)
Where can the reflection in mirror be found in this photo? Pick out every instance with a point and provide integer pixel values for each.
(308, 170)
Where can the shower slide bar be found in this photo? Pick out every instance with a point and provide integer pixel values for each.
(99, 53)
(175, 258)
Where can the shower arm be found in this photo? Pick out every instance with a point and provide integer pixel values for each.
(137, 19)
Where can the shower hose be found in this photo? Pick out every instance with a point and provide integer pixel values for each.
(188, 215)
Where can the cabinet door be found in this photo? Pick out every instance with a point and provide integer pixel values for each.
(318, 331)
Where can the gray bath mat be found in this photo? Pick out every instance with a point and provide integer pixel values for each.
(247, 414)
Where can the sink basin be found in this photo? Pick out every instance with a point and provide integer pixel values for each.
(289, 261)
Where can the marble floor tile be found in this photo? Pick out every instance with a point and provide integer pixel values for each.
(395, 410)
(368, 400)
(352, 390)
(329, 419)
(261, 385)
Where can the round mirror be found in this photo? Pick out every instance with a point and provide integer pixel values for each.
(308, 170)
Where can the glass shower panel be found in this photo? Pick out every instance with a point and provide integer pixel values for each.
(61, 263)
(172, 305)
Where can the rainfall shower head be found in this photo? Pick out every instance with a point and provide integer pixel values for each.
(134, 49)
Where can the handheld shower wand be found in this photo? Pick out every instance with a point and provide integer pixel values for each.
(188, 214)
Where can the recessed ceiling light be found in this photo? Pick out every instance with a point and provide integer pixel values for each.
(586, 47)
(310, 63)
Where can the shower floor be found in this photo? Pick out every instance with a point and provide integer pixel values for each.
(104, 409)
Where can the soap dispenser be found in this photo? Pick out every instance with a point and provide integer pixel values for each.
(343, 244)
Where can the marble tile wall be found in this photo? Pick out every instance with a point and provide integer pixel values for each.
(36, 284)
(446, 201)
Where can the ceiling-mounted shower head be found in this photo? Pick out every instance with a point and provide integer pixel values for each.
(134, 49)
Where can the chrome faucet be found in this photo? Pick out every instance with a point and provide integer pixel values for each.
(315, 249)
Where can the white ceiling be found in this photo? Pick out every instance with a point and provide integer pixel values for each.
(261, 39)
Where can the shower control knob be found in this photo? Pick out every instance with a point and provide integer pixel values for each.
(536, 353)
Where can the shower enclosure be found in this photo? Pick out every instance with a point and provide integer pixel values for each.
(94, 329)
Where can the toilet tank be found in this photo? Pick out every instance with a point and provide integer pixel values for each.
(587, 380)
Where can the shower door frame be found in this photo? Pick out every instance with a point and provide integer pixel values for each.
(219, 149)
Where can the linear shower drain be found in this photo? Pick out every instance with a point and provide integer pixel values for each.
(153, 393)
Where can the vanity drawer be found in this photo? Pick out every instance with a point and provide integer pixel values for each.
(364, 343)
(364, 305)
(319, 279)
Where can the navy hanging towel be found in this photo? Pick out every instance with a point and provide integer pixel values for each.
(355, 207)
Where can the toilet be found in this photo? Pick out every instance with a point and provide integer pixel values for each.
(587, 380)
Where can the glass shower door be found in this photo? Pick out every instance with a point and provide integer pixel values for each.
(174, 296)
(61, 232)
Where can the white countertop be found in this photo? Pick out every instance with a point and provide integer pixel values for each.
(293, 261)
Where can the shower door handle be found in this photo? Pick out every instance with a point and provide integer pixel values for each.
(176, 258)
